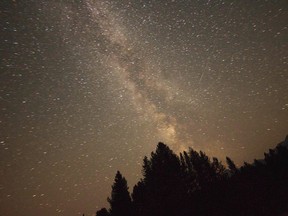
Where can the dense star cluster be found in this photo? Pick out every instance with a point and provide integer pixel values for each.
(88, 87)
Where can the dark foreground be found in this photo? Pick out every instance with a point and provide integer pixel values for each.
(195, 185)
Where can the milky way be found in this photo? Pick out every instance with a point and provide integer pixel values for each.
(90, 87)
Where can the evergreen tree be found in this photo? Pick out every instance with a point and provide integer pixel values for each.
(192, 184)
(160, 190)
(231, 165)
(139, 197)
(120, 201)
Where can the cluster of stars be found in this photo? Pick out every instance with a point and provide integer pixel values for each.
(90, 87)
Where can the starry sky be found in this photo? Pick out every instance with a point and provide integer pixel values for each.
(89, 87)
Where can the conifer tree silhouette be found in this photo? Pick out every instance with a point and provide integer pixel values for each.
(120, 201)
(160, 190)
(193, 184)
(231, 165)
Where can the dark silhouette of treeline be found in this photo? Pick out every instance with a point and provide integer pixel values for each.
(192, 184)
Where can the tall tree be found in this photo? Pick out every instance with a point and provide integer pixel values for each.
(161, 184)
(231, 165)
(120, 201)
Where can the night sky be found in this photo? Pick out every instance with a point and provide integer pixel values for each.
(89, 87)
